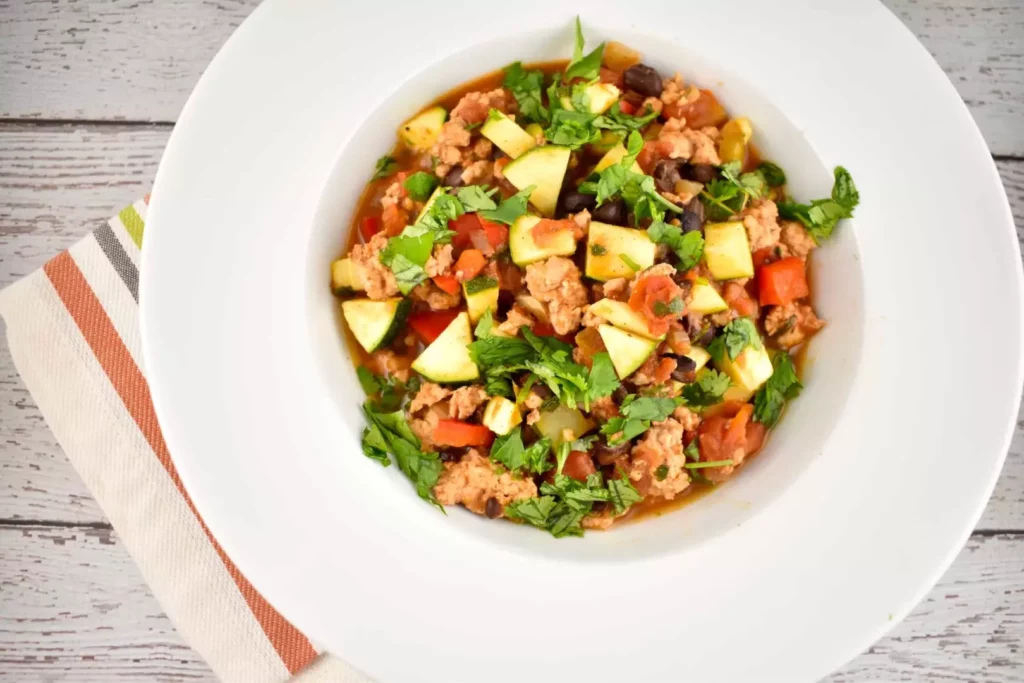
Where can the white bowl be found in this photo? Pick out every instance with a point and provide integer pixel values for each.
(862, 496)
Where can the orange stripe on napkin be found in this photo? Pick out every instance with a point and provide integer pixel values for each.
(295, 650)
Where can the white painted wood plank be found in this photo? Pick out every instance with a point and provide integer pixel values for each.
(969, 628)
(139, 59)
(980, 46)
(108, 59)
(57, 183)
(74, 608)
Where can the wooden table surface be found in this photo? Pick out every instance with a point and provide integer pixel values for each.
(89, 92)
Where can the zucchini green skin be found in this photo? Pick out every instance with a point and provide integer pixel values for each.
(397, 323)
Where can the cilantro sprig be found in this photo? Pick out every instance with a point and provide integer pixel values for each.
(511, 208)
(385, 166)
(689, 248)
(510, 452)
(636, 413)
(406, 254)
(565, 501)
(736, 336)
(821, 215)
(526, 87)
(782, 386)
(707, 390)
(727, 196)
(388, 433)
(388, 392)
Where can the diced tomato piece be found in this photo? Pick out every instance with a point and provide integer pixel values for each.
(497, 234)
(664, 370)
(704, 111)
(763, 256)
(782, 282)
(463, 226)
(611, 76)
(627, 108)
(546, 227)
(448, 283)
(648, 156)
(755, 437)
(652, 296)
(428, 325)
(370, 226)
(579, 465)
(461, 434)
(736, 296)
(725, 433)
(469, 264)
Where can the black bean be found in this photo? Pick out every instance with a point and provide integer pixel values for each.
(684, 377)
(454, 177)
(620, 394)
(666, 174)
(612, 212)
(606, 454)
(685, 363)
(452, 454)
(493, 508)
(542, 390)
(689, 221)
(704, 335)
(696, 206)
(643, 79)
(703, 173)
(574, 202)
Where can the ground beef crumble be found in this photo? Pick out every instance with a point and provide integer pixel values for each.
(474, 480)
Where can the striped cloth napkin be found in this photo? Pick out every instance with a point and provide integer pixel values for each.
(73, 331)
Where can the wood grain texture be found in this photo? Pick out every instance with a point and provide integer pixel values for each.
(969, 628)
(108, 59)
(139, 59)
(980, 46)
(73, 607)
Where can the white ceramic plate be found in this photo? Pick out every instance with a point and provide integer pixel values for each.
(865, 493)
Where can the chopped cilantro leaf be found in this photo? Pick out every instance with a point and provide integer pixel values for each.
(689, 247)
(390, 433)
(709, 463)
(526, 87)
(772, 173)
(821, 215)
(661, 472)
(494, 352)
(511, 208)
(617, 121)
(485, 325)
(673, 307)
(708, 390)
(635, 417)
(370, 382)
(510, 452)
(622, 494)
(420, 184)
(475, 198)
(782, 386)
(602, 380)
(586, 67)
(385, 166)
(598, 250)
(571, 128)
(692, 451)
(736, 336)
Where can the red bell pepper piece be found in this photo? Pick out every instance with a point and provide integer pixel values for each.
(461, 434)
(370, 226)
(428, 325)
(782, 282)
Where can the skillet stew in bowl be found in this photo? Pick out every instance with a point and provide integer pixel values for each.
(575, 293)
